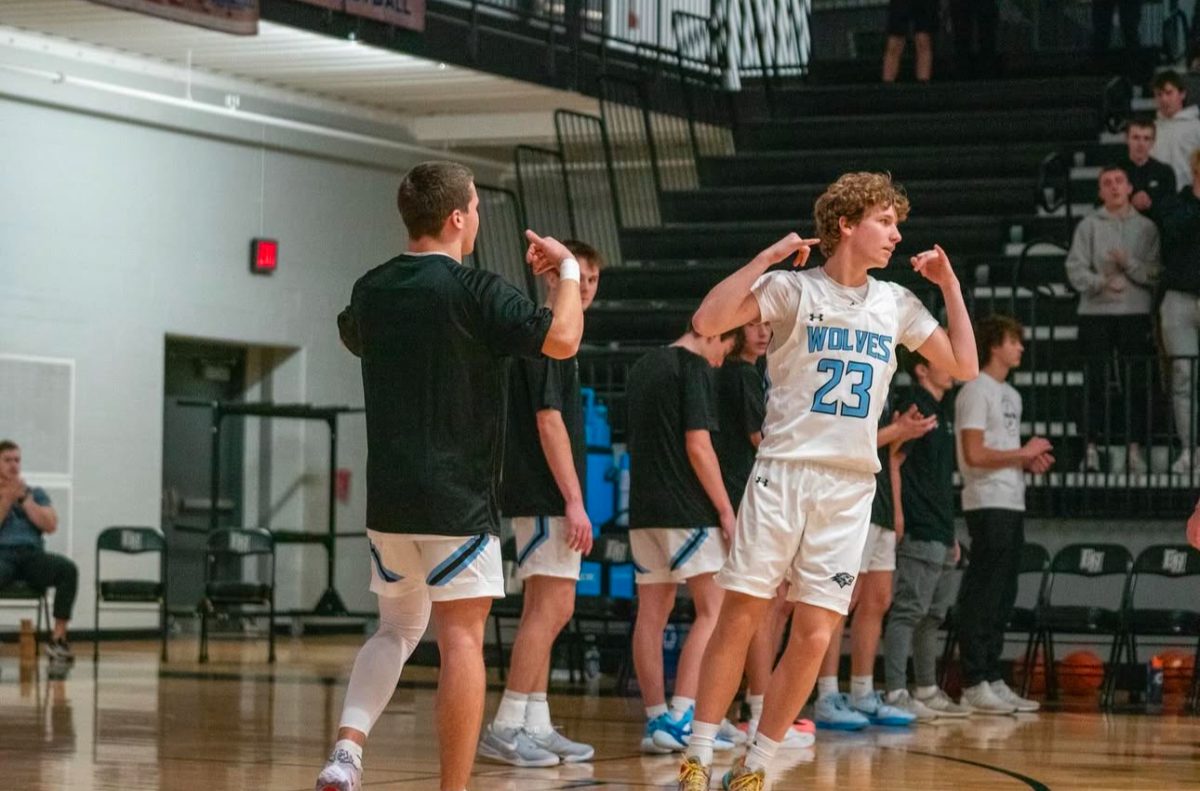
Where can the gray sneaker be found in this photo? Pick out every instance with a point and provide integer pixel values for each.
(981, 698)
(514, 747)
(1002, 691)
(906, 702)
(942, 703)
(568, 751)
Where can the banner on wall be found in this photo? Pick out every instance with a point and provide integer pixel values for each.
(408, 14)
(228, 16)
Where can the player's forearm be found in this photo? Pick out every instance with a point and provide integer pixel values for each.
(556, 446)
(962, 334)
(708, 470)
(897, 494)
(718, 312)
(566, 328)
(887, 435)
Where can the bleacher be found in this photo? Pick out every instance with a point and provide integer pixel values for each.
(998, 173)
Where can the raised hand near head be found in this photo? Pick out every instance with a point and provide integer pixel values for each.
(934, 266)
(544, 253)
(792, 243)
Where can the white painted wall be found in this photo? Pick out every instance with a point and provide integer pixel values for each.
(125, 218)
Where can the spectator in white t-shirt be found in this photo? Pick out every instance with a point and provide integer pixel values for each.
(992, 462)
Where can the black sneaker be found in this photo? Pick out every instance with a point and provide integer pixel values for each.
(59, 650)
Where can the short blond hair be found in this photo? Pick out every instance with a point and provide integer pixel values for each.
(851, 196)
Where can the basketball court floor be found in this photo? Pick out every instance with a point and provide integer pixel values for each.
(131, 724)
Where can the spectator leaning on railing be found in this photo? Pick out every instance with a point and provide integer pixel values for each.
(1113, 262)
(1179, 312)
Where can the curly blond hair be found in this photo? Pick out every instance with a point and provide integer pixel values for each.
(850, 197)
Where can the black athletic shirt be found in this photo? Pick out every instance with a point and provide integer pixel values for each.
(927, 476)
(528, 487)
(741, 407)
(883, 513)
(669, 391)
(433, 336)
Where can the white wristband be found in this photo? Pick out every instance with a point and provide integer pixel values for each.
(568, 270)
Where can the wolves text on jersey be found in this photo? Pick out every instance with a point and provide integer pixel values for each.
(872, 344)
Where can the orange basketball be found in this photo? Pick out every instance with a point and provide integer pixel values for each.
(1080, 673)
(1178, 667)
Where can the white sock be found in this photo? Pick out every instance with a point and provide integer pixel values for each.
(656, 711)
(354, 748)
(755, 702)
(926, 692)
(861, 686)
(511, 714)
(894, 695)
(700, 746)
(827, 685)
(680, 706)
(761, 753)
(537, 714)
(377, 667)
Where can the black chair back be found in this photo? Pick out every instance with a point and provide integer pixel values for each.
(130, 540)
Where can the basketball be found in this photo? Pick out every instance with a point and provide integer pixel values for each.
(1080, 673)
(1178, 667)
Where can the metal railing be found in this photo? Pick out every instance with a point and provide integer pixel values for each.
(1054, 192)
(499, 245)
(542, 188)
(591, 186)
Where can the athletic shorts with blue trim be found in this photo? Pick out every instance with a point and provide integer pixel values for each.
(444, 568)
(675, 554)
(542, 548)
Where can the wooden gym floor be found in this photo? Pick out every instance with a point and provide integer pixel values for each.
(237, 723)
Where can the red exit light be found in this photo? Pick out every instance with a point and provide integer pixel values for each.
(264, 256)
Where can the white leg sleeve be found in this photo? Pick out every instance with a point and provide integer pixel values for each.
(376, 672)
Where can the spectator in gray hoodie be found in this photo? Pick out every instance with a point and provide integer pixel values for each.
(1113, 263)
(1177, 127)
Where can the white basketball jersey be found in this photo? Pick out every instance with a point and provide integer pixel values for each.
(830, 362)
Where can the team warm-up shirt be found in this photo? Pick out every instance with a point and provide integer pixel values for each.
(830, 362)
(670, 391)
(927, 475)
(741, 406)
(995, 409)
(434, 336)
(528, 487)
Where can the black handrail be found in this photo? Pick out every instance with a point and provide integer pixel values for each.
(1175, 36)
(1116, 103)
(1054, 188)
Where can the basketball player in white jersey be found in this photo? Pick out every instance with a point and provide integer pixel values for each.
(807, 507)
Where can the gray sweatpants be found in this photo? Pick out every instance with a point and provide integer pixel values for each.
(924, 588)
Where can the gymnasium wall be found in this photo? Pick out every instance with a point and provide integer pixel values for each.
(126, 216)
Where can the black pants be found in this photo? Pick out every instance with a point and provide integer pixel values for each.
(1130, 12)
(40, 569)
(1119, 357)
(974, 23)
(988, 591)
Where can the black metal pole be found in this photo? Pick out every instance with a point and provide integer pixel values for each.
(214, 485)
(331, 555)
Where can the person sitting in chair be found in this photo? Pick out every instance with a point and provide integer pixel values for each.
(26, 518)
